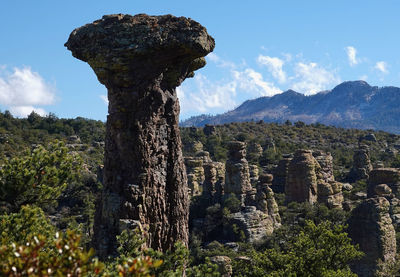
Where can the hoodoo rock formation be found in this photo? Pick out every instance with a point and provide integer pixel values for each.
(371, 228)
(310, 179)
(301, 182)
(141, 60)
(237, 179)
(361, 164)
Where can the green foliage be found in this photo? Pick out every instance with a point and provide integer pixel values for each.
(38, 177)
(318, 250)
(65, 258)
(22, 226)
(232, 203)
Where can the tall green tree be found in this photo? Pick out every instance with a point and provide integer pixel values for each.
(38, 177)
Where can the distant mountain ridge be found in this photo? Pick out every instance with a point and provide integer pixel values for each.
(352, 104)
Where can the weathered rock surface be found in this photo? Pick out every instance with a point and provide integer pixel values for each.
(209, 130)
(265, 200)
(210, 182)
(260, 216)
(370, 226)
(301, 182)
(237, 178)
(385, 182)
(388, 176)
(254, 150)
(195, 173)
(329, 191)
(361, 164)
(141, 60)
(310, 179)
(280, 174)
(254, 172)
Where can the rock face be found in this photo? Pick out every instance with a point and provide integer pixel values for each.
(141, 60)
(280, 174)
(237, 179)
(388, 176)
(361, 164)
(385, 182)
(253, 169)
(329, 191)
(260, 216)
(371, 228)
(195, 173)
(301, 183)
(310, 179)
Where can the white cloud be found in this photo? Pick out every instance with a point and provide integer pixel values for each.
(104, 98)
(220, 62)
(274, 66)
(252, 82)
(381, 66)
(24, 111)
(23, 90)
(205, 96)
(311, 78)
(201, 95)
(352, 55)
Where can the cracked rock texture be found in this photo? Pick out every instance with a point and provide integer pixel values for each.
(310, 179)
(361, 164)
(370, 226)
(141, 60)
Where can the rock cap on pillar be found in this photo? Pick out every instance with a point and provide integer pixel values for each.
(120, 43)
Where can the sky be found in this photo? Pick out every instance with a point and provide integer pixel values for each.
(262, 48)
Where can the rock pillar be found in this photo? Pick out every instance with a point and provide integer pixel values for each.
(141, 60)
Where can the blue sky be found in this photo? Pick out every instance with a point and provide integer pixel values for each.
(262, 48)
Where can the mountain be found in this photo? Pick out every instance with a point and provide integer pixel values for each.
(352, 104)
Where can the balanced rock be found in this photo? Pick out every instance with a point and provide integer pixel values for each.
(361, 164)
(141, 60)
(388, 176)
(370, 226)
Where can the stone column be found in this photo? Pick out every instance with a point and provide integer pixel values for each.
(141, 60)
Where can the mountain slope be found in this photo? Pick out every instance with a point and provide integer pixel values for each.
(353, 104)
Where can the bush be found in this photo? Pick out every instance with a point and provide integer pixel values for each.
(38, 177)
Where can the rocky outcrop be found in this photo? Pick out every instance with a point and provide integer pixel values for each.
(301, 182)
(388, 176)
(329, 191)
(254, 151)
(385, 182)
(361, 164)
(254, 172)
(310, 179)
(209, 130)
(280, 174)
(210, 182)
(265, 200)
(259, 217)
(141, 60)
(370, 226)
(237, 178)
(195, 173)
